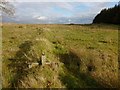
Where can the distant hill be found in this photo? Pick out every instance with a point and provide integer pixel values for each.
(110, 15)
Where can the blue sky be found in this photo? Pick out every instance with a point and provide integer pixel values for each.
(56, 12)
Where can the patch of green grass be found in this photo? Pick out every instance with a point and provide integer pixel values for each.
(76, 49)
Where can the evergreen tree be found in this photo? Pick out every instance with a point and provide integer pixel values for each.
(110, 15)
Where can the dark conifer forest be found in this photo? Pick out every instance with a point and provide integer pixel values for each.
(110, 15)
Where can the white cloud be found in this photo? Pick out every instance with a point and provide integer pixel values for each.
(41, 18)
(65, 5)
(93, 8)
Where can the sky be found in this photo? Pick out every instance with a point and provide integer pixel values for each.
(56, 12)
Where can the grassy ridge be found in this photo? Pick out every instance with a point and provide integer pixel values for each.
(86, 55)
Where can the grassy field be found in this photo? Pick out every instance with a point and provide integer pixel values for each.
(86, 55)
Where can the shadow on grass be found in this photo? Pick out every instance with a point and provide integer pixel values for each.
(19, 65)
(72, 77)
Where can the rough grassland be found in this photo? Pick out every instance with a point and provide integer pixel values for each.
(86, 55)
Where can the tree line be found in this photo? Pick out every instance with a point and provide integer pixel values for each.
(110, 15)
